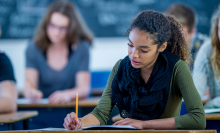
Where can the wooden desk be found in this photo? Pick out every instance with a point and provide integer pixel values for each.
(120, 131)
(213, 121)
(97, 91)
(90, 102)
(48, 111)
(11, 118)
(213, 116)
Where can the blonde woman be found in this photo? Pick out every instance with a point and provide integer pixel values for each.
(207, 65)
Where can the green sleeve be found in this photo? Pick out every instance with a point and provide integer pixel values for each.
(103, 110)
(195, 117)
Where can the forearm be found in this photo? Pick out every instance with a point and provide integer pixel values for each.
(90, 120)
(168, 123)
(7, 105)
(8, 96)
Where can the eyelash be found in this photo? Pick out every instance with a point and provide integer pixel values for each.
(141, 50)
(129, 45)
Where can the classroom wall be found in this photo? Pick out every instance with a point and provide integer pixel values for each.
(105, 52)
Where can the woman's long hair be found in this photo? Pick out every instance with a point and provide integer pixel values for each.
(77, 29)
(215, 58)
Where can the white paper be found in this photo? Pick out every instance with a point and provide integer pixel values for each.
(27, 101)
(215, 110)
(53, 129)
(110, 126)
(90, 127)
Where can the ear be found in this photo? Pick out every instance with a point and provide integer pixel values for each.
(162, 47)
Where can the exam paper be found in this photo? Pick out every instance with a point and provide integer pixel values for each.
(53, 129)
(27, 101)
(109, 127)
(214, 110)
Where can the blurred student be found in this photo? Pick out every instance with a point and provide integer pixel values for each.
(8, 90)
(148, 85)
(57, 61)
(187, 17)
(207, 65)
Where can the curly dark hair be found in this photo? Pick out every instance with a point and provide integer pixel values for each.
(162, 28)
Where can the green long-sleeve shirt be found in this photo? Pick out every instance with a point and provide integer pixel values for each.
(181, 86)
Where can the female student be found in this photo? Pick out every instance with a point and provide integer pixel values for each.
(148, 85)
(57, 60)
(207, 65)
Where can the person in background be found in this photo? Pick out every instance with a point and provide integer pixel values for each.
(57, 61)
(207, 65)
(187, 17)
(148, 85)
(8, 89)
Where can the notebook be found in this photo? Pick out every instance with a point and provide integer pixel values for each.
(110, 127)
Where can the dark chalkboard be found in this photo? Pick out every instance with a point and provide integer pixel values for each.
(106, 18)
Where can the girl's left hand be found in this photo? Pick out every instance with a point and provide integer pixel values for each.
(132, 122)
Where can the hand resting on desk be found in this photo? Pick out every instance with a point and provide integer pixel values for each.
(132, 122)
(33, 95)
(59, 97)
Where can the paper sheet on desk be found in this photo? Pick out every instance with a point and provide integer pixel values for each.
(110, 127)
(104, 127)
(27, 101)
(53, 129)
(214, 110)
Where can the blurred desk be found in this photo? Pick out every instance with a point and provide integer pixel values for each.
(89, 102)
(97, 91)
(121, 131)
(11, 118)
(213, 116)
(52, 115)
(213, 121)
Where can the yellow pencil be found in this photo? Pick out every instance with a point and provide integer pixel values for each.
(77, 105)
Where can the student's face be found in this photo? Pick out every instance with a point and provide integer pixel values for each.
(57, 28)
(141, 50)
(219, 29)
